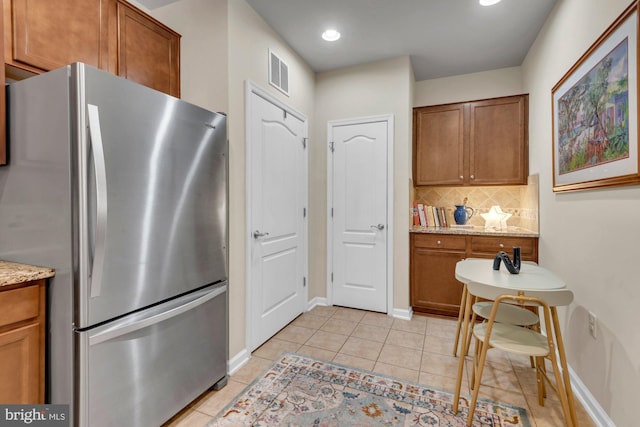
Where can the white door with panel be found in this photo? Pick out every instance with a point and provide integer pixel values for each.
(278, 194)
(359, 214)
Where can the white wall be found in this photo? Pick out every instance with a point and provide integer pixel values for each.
(383, 87)
(249, 41)
(589, 238)
(468, 87)
(203, 49)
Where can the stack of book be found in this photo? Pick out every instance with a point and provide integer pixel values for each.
(429, 216)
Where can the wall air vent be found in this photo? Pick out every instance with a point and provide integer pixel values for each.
(278, 73)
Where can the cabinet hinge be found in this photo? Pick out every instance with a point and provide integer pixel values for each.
(331, 146)
(304, 282)
(331, 212)
(304, 212)
(331, 277)
(304, 142)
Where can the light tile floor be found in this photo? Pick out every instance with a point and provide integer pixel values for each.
(418, 350)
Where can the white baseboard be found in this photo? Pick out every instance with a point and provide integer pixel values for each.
(316, 302)
(398, 313)
(402, 313)
(596, 412)
(238, 361)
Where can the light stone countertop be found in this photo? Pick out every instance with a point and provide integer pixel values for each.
(475, 231)
(12, 273)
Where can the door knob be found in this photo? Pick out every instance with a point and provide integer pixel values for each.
(379, 226)
(257, 234)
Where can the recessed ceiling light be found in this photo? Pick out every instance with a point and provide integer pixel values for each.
(488, 2)
(331, 35)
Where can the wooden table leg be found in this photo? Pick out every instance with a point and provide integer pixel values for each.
(563, 362)
(464, 350)
(460, 314)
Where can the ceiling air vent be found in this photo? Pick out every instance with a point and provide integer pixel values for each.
(278, 73)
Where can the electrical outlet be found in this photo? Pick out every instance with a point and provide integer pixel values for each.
(592, 324)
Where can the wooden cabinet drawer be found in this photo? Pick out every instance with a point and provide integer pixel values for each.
(19, 304)
(439, 241)
(494, 245)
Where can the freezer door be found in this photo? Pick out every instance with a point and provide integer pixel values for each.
(151, 188)
(141, 370)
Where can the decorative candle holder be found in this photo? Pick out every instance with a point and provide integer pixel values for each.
(512, 266)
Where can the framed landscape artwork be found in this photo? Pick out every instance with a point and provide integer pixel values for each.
(595, 113)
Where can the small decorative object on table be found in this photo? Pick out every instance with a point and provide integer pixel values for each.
(512, 266)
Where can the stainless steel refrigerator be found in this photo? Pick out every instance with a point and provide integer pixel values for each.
(123, 190)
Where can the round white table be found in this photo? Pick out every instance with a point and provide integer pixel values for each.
(531, 276)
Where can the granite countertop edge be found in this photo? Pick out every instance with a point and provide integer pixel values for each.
(13, 273)
(475, 231)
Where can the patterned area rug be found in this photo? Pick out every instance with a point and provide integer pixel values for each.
(301, 391)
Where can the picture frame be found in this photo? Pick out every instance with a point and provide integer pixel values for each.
(595, 113)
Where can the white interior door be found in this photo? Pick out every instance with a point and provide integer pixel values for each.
(359, 201)
(276, 142)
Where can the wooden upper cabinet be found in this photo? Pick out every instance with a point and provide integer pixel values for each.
(113, 35)
(3, 105)
(498, 143)
(472, 143)
(439, 144)
(148, 51)
(42, 35)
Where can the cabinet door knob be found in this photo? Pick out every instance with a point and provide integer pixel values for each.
(501, 245)
(461, 177)
(472, 177)
(439, 242)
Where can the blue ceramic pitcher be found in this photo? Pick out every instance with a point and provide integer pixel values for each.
(462, 214)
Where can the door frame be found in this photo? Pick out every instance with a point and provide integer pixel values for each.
(390, 225)
(252, 88)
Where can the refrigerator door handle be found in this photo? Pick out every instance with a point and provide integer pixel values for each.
(97, 269)
(126, 326)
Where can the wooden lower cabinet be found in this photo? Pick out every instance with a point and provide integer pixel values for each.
(434, 288)
(22, 332)
(433, 257)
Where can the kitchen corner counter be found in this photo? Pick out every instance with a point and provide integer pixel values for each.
(12, 273)
(475, 231)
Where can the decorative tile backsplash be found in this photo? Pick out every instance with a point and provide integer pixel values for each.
(521, 201)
